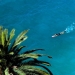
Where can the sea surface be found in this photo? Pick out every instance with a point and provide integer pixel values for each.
(44, 18)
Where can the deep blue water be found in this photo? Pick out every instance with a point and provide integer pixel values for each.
(44, 18)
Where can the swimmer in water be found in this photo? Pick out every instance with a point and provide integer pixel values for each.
(67, 30)
(60, 33)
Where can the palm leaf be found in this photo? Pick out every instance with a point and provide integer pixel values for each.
(33, 69)
(30, 55)
(35, 62)
(18, 50)
(50, 73)
(21, 37)
(41, 62)
(6, 34)
(11, 35)
(22, 57)
(1, 28)
(6, 71)
(45, 55)
(19, 71)
(30, 51)
(3, 38)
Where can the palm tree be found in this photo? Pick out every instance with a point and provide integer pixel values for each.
(12, 62)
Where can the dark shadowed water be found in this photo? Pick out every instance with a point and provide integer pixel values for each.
(44, 18)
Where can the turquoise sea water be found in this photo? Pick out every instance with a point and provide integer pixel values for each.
(44, 18)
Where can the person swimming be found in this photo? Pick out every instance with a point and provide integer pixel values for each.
(57, 34)
(67, 30)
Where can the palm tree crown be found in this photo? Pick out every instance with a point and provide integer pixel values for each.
(12, 62)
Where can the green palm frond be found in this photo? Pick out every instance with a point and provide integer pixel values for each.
(28, 55)
(4, 39)
(18, 50)
(6, 34)
(36, 62)
(33, 70)
(6, 71)
(11, 35)
(30, 51)
(19, 71)
(21, 37)
(1, 36)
